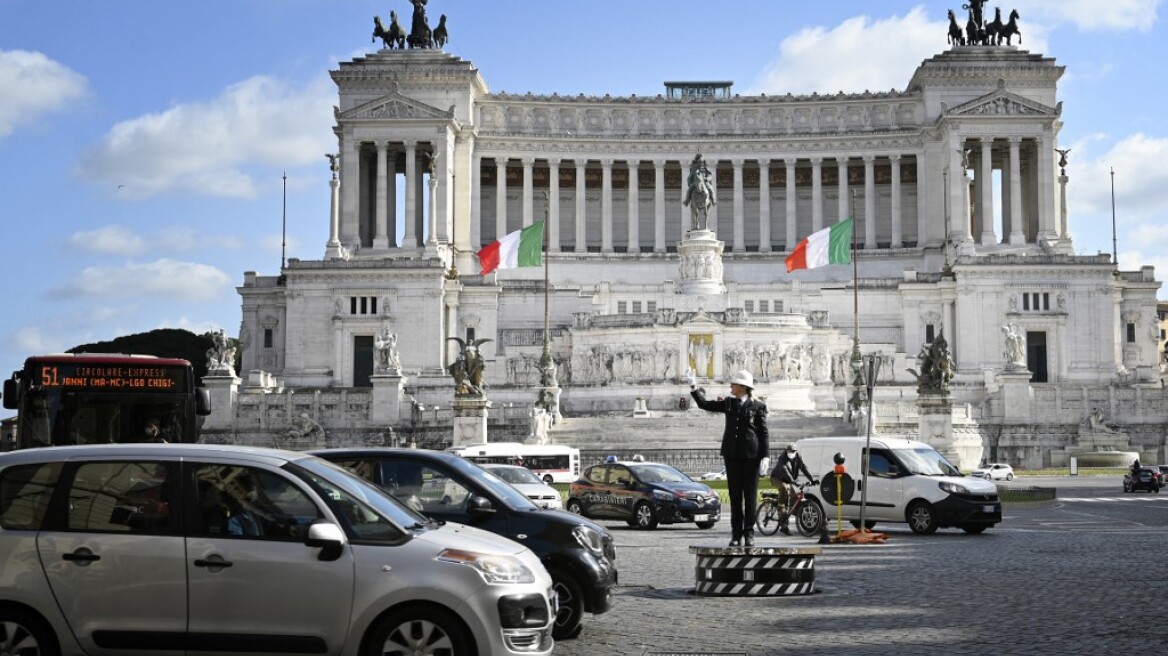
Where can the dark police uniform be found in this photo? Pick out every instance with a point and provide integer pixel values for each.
(745, 442)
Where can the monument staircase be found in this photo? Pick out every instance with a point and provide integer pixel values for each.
(686, 439)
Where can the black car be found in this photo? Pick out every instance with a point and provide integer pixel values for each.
(1143, 478)
(578, 554)
(644, 494)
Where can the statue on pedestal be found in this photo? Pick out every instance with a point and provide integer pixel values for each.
(936, 367)
(385, 348)
(699, 196)
(468, 369)
(1015, 352)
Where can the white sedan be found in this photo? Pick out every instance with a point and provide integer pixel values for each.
(719, 475)
(524, 480)
(994, 471)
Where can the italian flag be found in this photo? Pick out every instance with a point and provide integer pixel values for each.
(517, 249)
(828, 246)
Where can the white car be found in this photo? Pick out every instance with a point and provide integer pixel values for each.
(994, 471)
(525, 480)
(719, 475)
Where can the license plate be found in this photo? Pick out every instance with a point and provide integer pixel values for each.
(701, 518)
(989, 509)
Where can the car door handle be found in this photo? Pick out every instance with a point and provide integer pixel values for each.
(216, 562)
(81, 556)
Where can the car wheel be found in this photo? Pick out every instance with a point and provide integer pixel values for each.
(974, 529)
(23, 633)
(574, 507)
(571, 603)
(420, 630)
(643, 516)
(922, 519)
(547, 479)
(1009, 477)
(705, 525)
(808, 518)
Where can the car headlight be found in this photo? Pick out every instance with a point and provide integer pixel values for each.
(590, 539)
(953, 488)
(493, 568)
(662, 495)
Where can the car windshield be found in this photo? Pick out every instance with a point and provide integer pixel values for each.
(925, 461)
(371, 512)
(511, 497)
(515, 475)
(656, 473)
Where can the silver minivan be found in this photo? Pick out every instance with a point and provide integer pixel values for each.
(164, 549)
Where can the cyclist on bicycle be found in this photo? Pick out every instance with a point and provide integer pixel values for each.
(785, 475)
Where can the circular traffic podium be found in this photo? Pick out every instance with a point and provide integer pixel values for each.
(754, 571)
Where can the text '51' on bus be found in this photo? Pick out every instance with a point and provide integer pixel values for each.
(98, 399)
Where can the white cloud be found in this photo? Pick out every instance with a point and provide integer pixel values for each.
(1141, 180)
(112, 240)
(164, 279)
(34, 339)
(32, 85)
(1092, 15)
(206, 148)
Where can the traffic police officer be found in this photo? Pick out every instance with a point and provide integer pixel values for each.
(744, 445)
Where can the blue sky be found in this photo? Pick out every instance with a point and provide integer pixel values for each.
(143, 143)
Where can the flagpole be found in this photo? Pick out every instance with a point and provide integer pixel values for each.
(547, 366)
(1114, 247)
(857, 361)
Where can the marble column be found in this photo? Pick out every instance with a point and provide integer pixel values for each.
(792, 204)
(606, 206)
(869, 202)
(985, 207)
(528, 191)
(1046, 189)
(764, 206)
(419, 206)
(332, 249)
(816, 194)
(739, 202)
(634, 209)
(350, 186)
(391, 199)
(410, 238)
(897, 219)
(553, 226)
(923, 203)
(476, 203)
(659, 206)
(381, 213)
(712, 223)
(500, 197)
(1017, 231)
(581, 224)
(845, 209)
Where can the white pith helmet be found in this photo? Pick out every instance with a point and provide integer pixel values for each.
(743, 378)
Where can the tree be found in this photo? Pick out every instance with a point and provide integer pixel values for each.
(163, 343)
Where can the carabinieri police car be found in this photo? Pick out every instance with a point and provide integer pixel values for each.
(644, 494)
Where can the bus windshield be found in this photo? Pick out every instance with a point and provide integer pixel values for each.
(98, 399)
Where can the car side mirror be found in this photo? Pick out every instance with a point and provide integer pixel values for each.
(327, 537)
(479, 505)
(202, 401)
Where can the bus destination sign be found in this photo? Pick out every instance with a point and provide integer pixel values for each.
(111, 378)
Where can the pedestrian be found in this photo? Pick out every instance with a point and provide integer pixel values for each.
(744, 445)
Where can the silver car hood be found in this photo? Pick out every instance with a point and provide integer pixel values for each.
(469, 538)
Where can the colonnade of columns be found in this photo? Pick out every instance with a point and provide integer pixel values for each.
(1019, 192)
(368, 214)
(886, 229)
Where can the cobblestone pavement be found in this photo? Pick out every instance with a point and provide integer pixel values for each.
(1083, 575)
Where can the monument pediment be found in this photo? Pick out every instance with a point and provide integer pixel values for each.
(396, 106)
(1002, 103)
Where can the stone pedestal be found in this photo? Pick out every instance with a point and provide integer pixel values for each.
(640, 409)
(701, 263)
(962, 447)
(224, 390)
(754, 571)
(1017, 395)
(470, 419)
(388, 392)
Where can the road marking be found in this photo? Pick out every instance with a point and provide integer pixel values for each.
(1105, 499)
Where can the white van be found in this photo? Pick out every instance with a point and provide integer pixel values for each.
(908, 481)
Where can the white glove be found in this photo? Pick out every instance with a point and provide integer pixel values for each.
(690, 378)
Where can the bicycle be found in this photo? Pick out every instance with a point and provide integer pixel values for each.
(770, 517)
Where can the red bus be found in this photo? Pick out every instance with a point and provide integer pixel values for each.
(96, 398)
